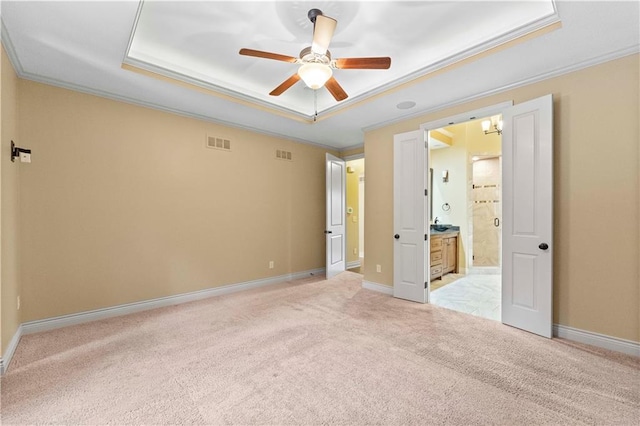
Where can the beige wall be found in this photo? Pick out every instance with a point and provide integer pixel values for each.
(353, 191)
(9, 284)
(596, 277)
(123, 203)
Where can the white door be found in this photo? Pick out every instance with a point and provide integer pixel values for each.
(527, 275)
(410, 213)
(335, 229)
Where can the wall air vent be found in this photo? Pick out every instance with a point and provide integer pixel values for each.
(284, 155)
(218, 143)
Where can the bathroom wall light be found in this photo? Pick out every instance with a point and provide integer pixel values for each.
(494, 122)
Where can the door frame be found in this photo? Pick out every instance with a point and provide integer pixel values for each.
(346, 159)
(463, 118)
(534, 131)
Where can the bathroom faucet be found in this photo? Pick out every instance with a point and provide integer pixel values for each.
(435, 222)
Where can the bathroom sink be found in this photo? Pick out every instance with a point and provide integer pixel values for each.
(440, 228)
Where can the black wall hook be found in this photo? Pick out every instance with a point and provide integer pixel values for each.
(15, 151)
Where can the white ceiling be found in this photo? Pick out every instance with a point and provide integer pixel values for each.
(82, 45)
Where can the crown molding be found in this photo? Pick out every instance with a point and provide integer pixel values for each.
(526, 82)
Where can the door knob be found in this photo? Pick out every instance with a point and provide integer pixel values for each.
(543, 246)
(397, 236)
(328, 232)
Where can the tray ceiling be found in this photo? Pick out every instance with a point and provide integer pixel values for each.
(198, 42)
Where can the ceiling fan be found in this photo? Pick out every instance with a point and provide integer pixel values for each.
(316, 64)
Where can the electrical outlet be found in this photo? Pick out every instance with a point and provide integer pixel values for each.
(18, 303)
(271, 264)
(378, 268)
(355, 250)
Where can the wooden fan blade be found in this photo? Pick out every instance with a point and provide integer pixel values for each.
(382, 63)
(285, 85)
(336, 90)
(322, 32)
(267, 55)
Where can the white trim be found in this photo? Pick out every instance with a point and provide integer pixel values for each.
(354, 264)
(347, 148)
(129, 308)
(5, 360)
(380, 288)
(354, 157)
(581, 336)
(152, 105)
(467, 116)
(216, 88)
(595, 339)
(632, 50)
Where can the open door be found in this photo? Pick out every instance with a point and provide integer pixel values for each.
(527, 267)
(410, 213)
(335, 219)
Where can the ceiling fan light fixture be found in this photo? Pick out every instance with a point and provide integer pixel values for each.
(315, 74)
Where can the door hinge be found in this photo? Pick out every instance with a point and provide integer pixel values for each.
(426, 237)
(426, 285)
(426, 193)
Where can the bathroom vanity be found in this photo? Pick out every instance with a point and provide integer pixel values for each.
(444, 252)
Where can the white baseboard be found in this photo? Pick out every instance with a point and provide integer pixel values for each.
(129, 308)
(5, 360)
(380, 288)
(354, 264)
(600, 340)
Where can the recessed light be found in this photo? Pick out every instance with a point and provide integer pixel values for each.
(406, 105)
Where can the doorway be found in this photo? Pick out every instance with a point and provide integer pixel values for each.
(527, 170)
(355, 214)
(466, 218)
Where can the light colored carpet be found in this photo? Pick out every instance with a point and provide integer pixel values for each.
(313, 352)
(479, 295)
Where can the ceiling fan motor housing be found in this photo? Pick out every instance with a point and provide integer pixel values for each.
(307, 55)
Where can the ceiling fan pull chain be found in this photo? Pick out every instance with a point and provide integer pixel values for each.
(315, 105)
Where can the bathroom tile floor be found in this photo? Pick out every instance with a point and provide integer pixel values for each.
(478, 295)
